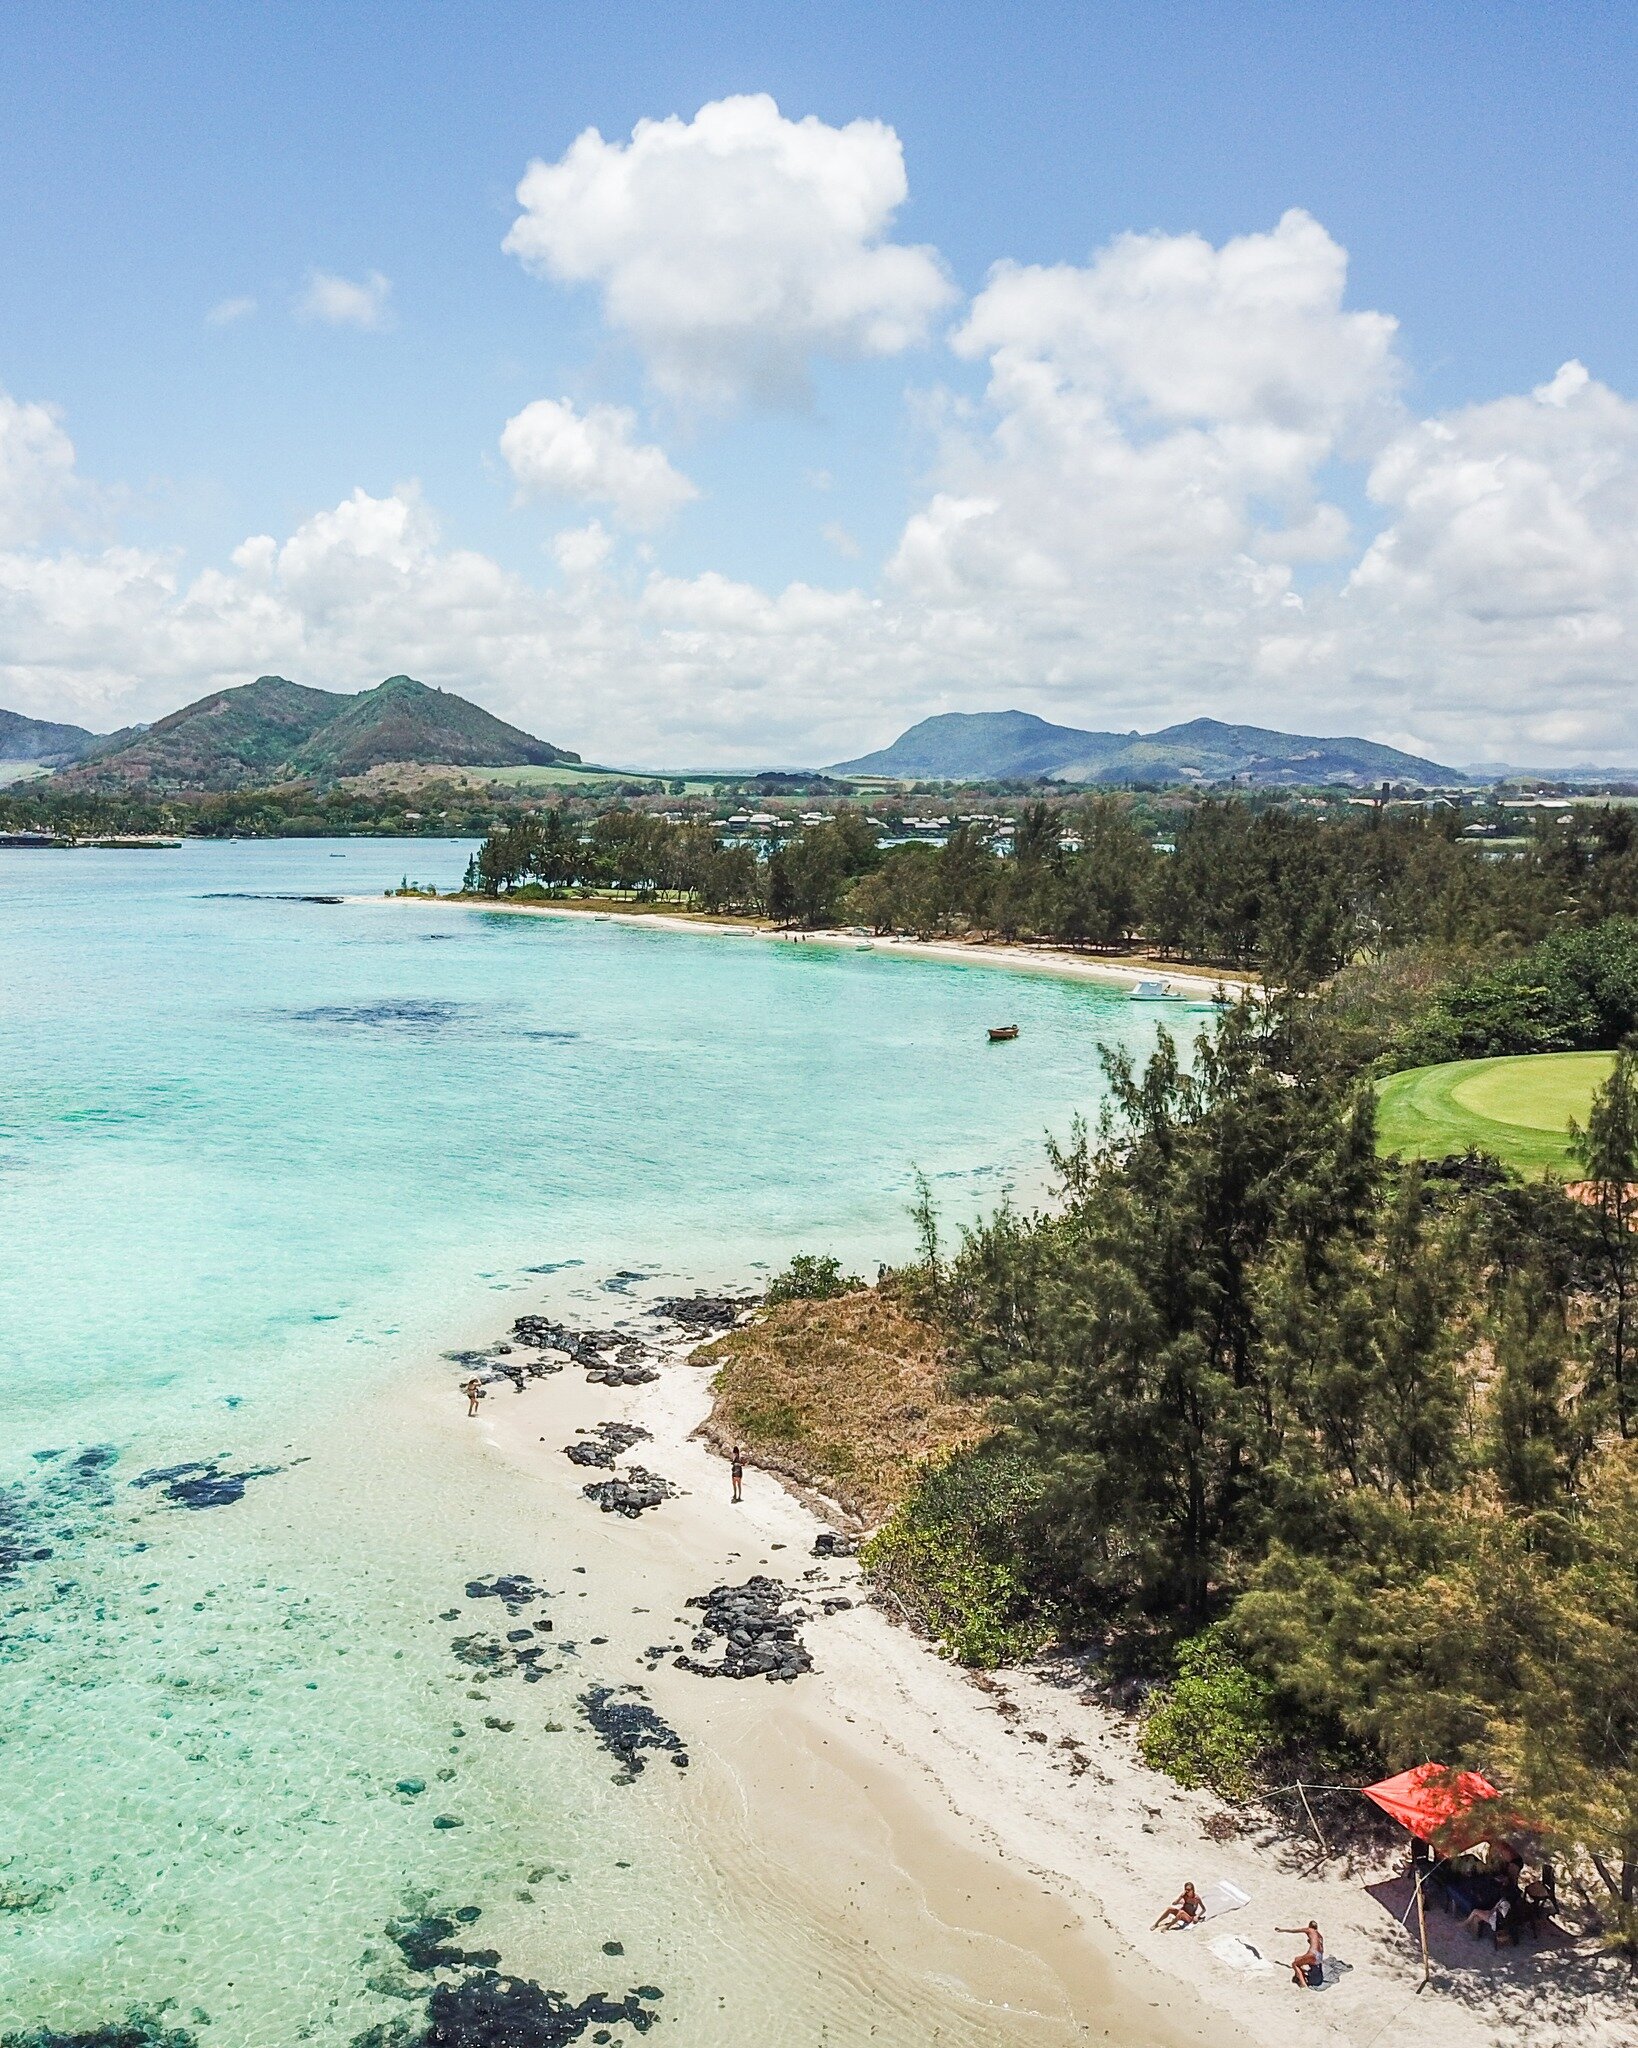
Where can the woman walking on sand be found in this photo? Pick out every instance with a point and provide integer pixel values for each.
(736, 1472)
(473, 1390)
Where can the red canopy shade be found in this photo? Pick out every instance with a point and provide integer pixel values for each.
(1458, 1808)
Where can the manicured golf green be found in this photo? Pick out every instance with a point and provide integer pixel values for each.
(1519, 1109)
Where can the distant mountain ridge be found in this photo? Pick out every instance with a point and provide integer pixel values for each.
(1016, 746)
(273, 730)
(42, 740)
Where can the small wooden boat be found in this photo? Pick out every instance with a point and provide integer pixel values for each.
(1000, 1033)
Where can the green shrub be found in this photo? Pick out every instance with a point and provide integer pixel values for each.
(810, 1277)
(950, 1558)
(1213, 1725)
(1575, 992)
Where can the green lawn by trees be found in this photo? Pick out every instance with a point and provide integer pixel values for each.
(1518, 1110)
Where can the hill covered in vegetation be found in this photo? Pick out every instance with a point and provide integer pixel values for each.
(272, 731)
(42, 740)
(1006, 746)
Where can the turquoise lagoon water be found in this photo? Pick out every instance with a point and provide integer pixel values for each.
(261, 1159)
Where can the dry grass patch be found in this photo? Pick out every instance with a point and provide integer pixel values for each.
(845, 1398)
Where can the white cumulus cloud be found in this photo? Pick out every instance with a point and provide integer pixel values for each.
(1156, 423)
(36, 469)
(593, 457)
(1503, 590)
(1139, 521)
(229, 312)
(344, 302)
(735, 247)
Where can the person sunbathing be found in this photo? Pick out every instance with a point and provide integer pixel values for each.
(1187, 1908)
(1308, 1969)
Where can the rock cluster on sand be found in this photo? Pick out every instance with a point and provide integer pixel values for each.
(759, 1640)
(832, 1543)
(608, 1357)
(706, 1315)
(602, 1445)
(629, 1492)
(637, 1375)
(626, 1725)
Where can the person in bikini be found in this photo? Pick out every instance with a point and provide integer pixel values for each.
(736, 1472)
(473, 1390)
(1308, 1969)
(1185, 1910)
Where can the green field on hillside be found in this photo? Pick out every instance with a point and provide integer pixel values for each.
(1519, 1109)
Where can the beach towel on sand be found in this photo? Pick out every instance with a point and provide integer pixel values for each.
(1238, 1954)
(1223, 1897)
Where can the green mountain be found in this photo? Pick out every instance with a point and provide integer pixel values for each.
(272, 730)
(1014, 746)
(38, 739)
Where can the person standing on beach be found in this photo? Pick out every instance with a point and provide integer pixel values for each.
(736, 1472)
(473, 1390)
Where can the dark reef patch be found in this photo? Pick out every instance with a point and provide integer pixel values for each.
(412, 1018)
(626, 1725)
(35, 1519)
(515, 1591)
(202, 1483)
(492, 1658)
(139, 2029)
(425, 1943)
(492, 2011)
(19, 1535)
(482, 2009)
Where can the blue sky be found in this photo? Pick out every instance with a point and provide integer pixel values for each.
(1476, 164)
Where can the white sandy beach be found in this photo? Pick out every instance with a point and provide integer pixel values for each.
(1021, 1855)
(1016, 959)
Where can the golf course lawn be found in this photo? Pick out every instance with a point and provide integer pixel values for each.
(1518, 1109)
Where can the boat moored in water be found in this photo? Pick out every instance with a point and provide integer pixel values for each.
(1001, 1033)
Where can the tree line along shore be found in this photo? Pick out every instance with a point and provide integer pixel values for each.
(1398, 918)
(1328, 1458)
(1329, 1464)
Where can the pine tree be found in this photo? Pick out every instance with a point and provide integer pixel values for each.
(1608, 1149)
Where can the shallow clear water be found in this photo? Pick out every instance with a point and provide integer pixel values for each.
(260, 1160)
